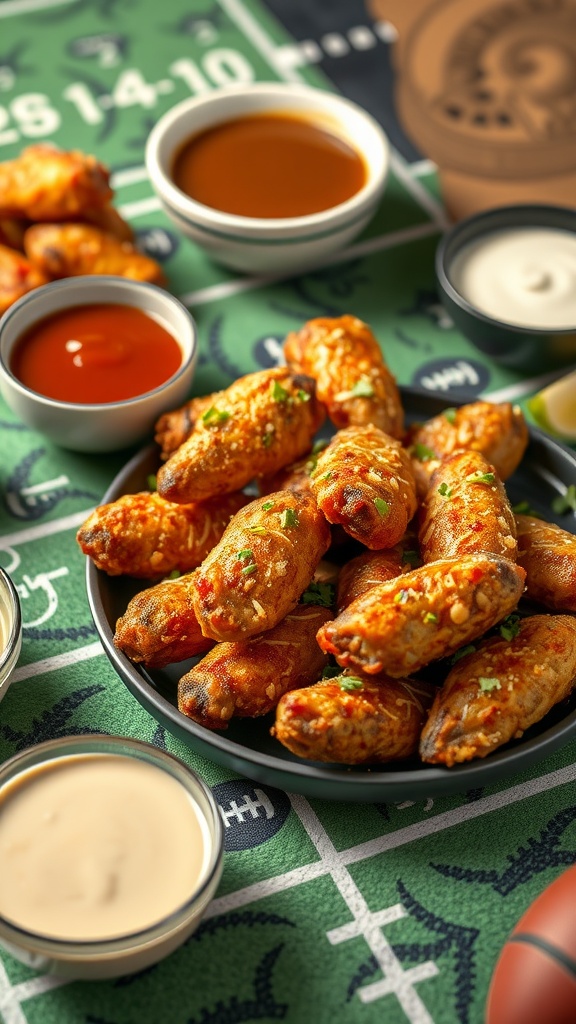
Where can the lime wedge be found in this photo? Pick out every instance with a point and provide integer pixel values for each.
(554, 408)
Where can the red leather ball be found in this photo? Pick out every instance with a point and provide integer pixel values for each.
(534, 981)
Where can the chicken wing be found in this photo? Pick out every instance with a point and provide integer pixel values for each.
(548, 554)
(143, 535)
(352, 379)
(353, 719)
(159, 625)
(247, 678)
(367, 570)
(174, 427)
(266, 558)
(497, 692)
(466, 509)
(45, 183)
(71, 250)
(17, 277)
(364, 481)
(260, 423)
(426, 614)
(498, 431)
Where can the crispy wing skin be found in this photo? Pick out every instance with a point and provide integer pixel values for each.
(466, 509)
(352, 379)
(264, 561)
(143, 535)
(498, 431)
(12, 233)
(72, 250)
(364, 481)
(368, 570)
(260, 423)
(17, 277)
(174, 427)
(548, 554)
(497, 692)
(109, 220)
(353, 719)
(45, 183)
(426, 614)
(246, 679)
(159, 625)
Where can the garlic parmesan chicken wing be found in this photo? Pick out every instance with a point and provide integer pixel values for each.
(352, 379)
(364, 481)
(548, 554)
(260, 423)
(495, 693)
(45, 183)
(426, 614)
(246, 679)
(266, 558)
(160, 626)
(353, 719)
(143, 535)
(498, 431)
(466, 509)
(174, 427)
(72, 250)
(17, 277)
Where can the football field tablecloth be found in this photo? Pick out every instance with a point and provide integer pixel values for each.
(327, 912)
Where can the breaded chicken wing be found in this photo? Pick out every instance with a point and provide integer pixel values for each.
(548, 554)
(174, 427)
(497, 692)
(109, 220)
(45, 183)
(261, 422)
(17, 277)
(466, 509)
(364, 481)
(160, 626)
(143, 535)
(353, 719)
(367, 570)
(12, 232)
(71, 250)
(426, 614)
(498, 431)
(246, 679)
(266, 558)
(352, 379)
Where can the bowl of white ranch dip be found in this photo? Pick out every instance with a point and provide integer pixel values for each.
(507, 278)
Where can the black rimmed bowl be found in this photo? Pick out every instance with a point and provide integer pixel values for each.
(526, 348)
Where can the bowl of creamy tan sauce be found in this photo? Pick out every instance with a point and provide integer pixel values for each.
(507, 278)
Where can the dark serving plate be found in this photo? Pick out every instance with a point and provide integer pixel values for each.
(246, 747)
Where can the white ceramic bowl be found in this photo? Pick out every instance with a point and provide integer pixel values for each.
(10, 630)
(109, 426)
(270, 246)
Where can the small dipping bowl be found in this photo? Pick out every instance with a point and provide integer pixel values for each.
(10, 630)
(516, 345)
(93, 880)
(106, 426)
(268, 245)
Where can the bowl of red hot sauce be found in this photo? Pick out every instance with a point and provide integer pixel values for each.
(91, 363)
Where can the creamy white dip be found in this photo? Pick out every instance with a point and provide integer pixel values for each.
(521, 276)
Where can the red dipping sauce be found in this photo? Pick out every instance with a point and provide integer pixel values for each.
(95, 354)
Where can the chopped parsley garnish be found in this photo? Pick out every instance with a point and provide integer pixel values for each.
(444, 490)
(565, 502)
(430, 617)
(523, 508)
(212, 416)
(152, 482)
(382, 507)
(174, 575)
(510, 627)
(289, 518)
(267, 506)
(411, 557)
(330, 671)
(362, 388)
(319, 593)
(481, 478)
(303, 395)
(401, 597)
(267, 439)
(319, 446)
(247, 570)
(350, 683)
(450, 415)
(279, 394)
(469, 649)
(423, 453)
(244, 554)
(487, 683)
(326, 476)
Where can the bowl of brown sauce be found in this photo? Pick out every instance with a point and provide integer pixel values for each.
(269, 177)
(92, 362)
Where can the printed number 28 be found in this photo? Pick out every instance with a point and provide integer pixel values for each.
(33, 115)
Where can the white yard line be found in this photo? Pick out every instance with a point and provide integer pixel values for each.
(31, 533)
(57, 662)
(9, 7)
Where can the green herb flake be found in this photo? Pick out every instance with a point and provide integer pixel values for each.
(469, 649)
(423, 453)
(257, 529)
(247, 570)
(310, 466)
(212, 416)
(510, 627)
(152, 482)
(350, 683)
(174, 575)
(244, 554)
(382, 507)
(267, 506)
(481, 478)
(487, 683)
(330, 671)
(444, 490)
(279, 394)
(401, 597)
(450, 415)
(303, 395)
(430, 617)
(319, 593)
(362, 388)
(289, 518)
(524, 508)
(326, 476)
(411, 557)
(565, 502)
(319, 446)
(267, 439)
